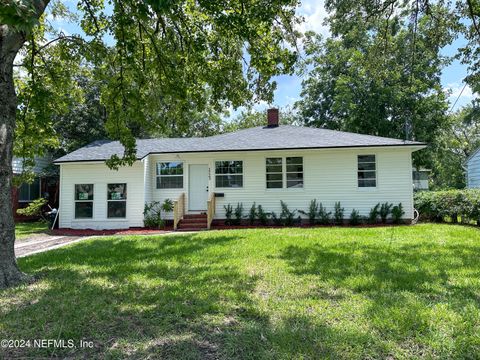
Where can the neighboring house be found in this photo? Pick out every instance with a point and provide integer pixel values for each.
(25, 193)
(262, 165)
(473, 169)
(420, 178)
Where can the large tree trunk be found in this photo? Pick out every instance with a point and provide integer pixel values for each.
(10, 43)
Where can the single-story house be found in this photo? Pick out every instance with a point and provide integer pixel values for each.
(473, 170)
(261, 164)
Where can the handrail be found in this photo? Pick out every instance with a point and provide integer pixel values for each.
(178, 210)
(210, 210)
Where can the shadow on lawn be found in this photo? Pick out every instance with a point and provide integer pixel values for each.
(168, 297)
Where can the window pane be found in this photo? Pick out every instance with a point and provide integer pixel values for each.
(228, 181)
(366, 166)
(274, 168)
(84, 192)
(229, 167)
(84, 210)
(366, 175)
(117, 209)
(294, 160)
(24, 192)
(277, 177)
(274, 161)
(274, 184)
(170, 182)
(170, 168)
(294, 183)
(35, 189)
(294, 168)
(366, 158)
(117, 191)
(367, 183)
(295, 176)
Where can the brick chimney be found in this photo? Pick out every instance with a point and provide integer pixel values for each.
(272, 118)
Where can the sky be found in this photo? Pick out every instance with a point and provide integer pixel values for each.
(289, 87)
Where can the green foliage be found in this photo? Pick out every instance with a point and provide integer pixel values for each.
(153, 213)
(397, 213)
(449, 205)
(35, 208)
(338, 213)
(228, 214)
(238, 214)
(252, 214)
(167, 205)
(385, 210)
(323, 215)
(373, 214)
(312, 212)
(355, 218)
(252, 118)
(277, 221)
(262, 215)
(287, 217)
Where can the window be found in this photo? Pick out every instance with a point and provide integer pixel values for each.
(29, 192)
(117, 200)
(170, 175)
(229, 174)
(274, 169)
(367, 171)
(294, 172)
(84, 201)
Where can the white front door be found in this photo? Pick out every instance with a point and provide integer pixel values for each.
(197, 187)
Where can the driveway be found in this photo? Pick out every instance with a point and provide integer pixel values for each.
(44, 243)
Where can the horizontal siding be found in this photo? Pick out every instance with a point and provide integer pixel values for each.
(329, 176)
(40, 164)
(473, 171)
(100, 175)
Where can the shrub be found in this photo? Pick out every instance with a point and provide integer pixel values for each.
(275, 219)
(152, 213)
(385, 210)
(167, 206)
(35, 208)
(355, 217)
(373, 215)
(238, 214)
(252, 214)
(397, 213)
(323, 215)
(338, 213)
(287, 217)
(228, 214)
(312, 212)
(262, 215)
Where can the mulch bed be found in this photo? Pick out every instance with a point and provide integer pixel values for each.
(93, 232)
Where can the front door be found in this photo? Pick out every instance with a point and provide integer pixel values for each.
(197, 187)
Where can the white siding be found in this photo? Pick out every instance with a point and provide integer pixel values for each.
(329, 176)
(473, 171)
(100, 175)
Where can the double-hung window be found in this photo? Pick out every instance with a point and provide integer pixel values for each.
(229, 174)
(367, 171)
(83, 201)
(117, 201)
(284, 172)
(170, 175)
(29, 192)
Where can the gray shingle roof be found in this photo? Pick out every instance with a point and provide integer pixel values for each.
(257, 138)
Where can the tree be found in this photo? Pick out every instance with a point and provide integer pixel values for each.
(251, 118)
(379, 78)
(163, 58)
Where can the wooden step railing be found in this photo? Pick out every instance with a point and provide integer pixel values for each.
(178, 210)
(210, 210)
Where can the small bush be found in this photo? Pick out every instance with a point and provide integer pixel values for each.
(275, 219)
(323, 215)
(355, 218)
(373, 215)
(397, 213)
(228, 214)
(35, 208)
(252, 214)
(238, 214)
(312, 212)
(262, 215)
(287, 217)
(385, 210)
(338, 213)
(152, 213)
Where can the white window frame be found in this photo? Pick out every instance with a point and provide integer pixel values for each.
(157, 175)
(367, 188)
(240, 174)
(29, 189)
(121, 200)
(284, 173)
(75, 201)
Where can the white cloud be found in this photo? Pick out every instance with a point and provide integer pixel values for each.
(314, 13)
(455, 90)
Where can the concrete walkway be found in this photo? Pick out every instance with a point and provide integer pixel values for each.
(29, 247)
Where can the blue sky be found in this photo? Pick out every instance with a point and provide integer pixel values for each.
(289, 87)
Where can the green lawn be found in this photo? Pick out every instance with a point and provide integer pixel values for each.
(395, 292)
(25, 229)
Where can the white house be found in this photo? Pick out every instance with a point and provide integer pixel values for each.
(262, 165)
(473, 170)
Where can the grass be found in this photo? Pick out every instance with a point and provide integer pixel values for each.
(25, 229)
(393, 292)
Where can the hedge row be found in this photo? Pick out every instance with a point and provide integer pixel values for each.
(449, 205)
